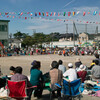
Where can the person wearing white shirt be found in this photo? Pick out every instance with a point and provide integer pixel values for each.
(61, 66)
(71, 73)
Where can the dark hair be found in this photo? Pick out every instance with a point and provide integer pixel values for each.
(96, 62)
(93, 61)
(60, 62)
(96, 55)
(12, 68)
(18, 69)
(54, 64)
(38, 64)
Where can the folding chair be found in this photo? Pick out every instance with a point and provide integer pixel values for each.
(71, 89)
(16, 90)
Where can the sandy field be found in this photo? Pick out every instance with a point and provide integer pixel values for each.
(25, 62)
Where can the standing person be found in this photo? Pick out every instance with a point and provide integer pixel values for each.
(61, 66)
(96, 71)
(71, 73)
(37, 78)
(82, 73)
(56, 77)
(18, 76)
(64, 52)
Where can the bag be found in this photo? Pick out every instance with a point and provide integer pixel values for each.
(46, 77)
(88, 86)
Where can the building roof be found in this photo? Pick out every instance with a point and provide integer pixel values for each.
(4, 20)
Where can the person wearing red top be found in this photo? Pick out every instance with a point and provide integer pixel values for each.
(82, 73)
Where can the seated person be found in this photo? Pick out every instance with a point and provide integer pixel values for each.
(2, 81)
(77, 63)
(33, 65)
(18, 76)
(96, 71)
(82, 73)
(36, 78)
(92, 65)
(70, 73)
(12, 70)
(56, 77)
(61, 66)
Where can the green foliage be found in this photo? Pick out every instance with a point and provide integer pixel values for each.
(28, 41)
(36, 38)
(20, 35)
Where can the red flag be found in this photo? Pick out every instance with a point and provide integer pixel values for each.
(87, 22)
(6, 13)
(47, 14)
(25, 17)
(39, 13)
(84, 13)
(69, 13)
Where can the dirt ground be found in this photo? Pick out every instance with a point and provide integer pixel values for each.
(25, 62)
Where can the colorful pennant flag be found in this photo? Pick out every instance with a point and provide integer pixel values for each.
(69, 13)
(73, 13)
(54, 13)
(51, 14)
(43, 14)
(84, 13)
(95, 12)
(47, 14)
(64, 13)
(39, 14)
(35, 14)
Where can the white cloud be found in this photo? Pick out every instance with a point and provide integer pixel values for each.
(85, 8)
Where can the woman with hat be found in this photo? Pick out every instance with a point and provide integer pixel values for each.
(82, 73)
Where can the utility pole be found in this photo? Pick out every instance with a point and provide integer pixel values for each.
(73, 33)
(66, 31)
(34, 31)
(86, 33)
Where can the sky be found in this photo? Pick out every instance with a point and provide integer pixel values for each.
(48, 24)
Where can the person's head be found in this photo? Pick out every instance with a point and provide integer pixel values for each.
(33, 63)
(70, 65)
(96, 55)
(18, 69)
(12, 70)
(54, 64)
(96, 62)
(93, 61)
(60, 62)
(82, 67)
(38, 65)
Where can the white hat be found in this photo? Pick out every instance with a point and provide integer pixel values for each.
(70, 65)
(82, 67)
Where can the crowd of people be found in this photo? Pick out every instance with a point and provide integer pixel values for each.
(57, 73)
(67, 51)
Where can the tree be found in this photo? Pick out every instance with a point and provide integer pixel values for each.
(55, 36)
(39, 38)
(20, 35)
(28, 41)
